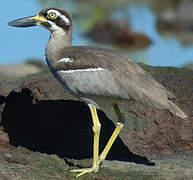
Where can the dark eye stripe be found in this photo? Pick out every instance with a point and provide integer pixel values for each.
(61, 23)
(63, 19)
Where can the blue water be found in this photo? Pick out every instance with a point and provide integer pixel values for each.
(162, 52)
(18, 45)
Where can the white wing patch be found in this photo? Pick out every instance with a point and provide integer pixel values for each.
(82, 70)
(65, 60)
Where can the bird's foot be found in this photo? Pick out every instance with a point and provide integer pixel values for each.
(84, 171)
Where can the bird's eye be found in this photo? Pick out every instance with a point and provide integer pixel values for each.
(52, 15)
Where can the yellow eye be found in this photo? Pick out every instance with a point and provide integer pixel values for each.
(52, 15)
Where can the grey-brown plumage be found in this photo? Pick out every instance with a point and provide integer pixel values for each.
(96, 75)
(121, 79)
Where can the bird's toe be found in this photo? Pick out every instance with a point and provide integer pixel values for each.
(84, 171)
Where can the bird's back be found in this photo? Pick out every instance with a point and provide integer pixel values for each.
(117, 77)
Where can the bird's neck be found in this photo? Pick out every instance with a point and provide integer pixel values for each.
(58, 41)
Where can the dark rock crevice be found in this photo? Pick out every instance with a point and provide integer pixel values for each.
(62, 127)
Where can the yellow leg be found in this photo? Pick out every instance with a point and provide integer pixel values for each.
(111, 141)
(96, 130)
(114, 135)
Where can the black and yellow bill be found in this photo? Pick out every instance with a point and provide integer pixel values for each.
(28, 21)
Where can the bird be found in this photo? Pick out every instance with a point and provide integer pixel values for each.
(96, 76)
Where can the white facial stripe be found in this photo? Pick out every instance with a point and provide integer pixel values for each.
(66, 20)
(82, 70)
(65, 60)
(54, 11)
(54, 26)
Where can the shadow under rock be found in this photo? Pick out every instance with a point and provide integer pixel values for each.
(62, 127)
(2, 99)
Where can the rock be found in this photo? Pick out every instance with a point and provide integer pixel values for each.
(118, 33)
(188, 65)
(37, 63)
(15, 71)
(47, 132)
(177, 19)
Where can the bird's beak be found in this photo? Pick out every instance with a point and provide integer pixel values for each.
(28, 21)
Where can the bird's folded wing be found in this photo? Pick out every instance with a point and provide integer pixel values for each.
(101, 72)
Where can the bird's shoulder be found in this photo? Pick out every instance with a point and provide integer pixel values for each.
(83, 57)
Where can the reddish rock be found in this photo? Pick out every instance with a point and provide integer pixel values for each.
(39, 108)
(39, 115)
(118, 33)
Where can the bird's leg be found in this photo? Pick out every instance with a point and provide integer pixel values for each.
(118, 128)
(96, 130)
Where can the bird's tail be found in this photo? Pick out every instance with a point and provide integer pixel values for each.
(176, 110)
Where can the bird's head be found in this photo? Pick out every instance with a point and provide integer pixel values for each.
(53, 19)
